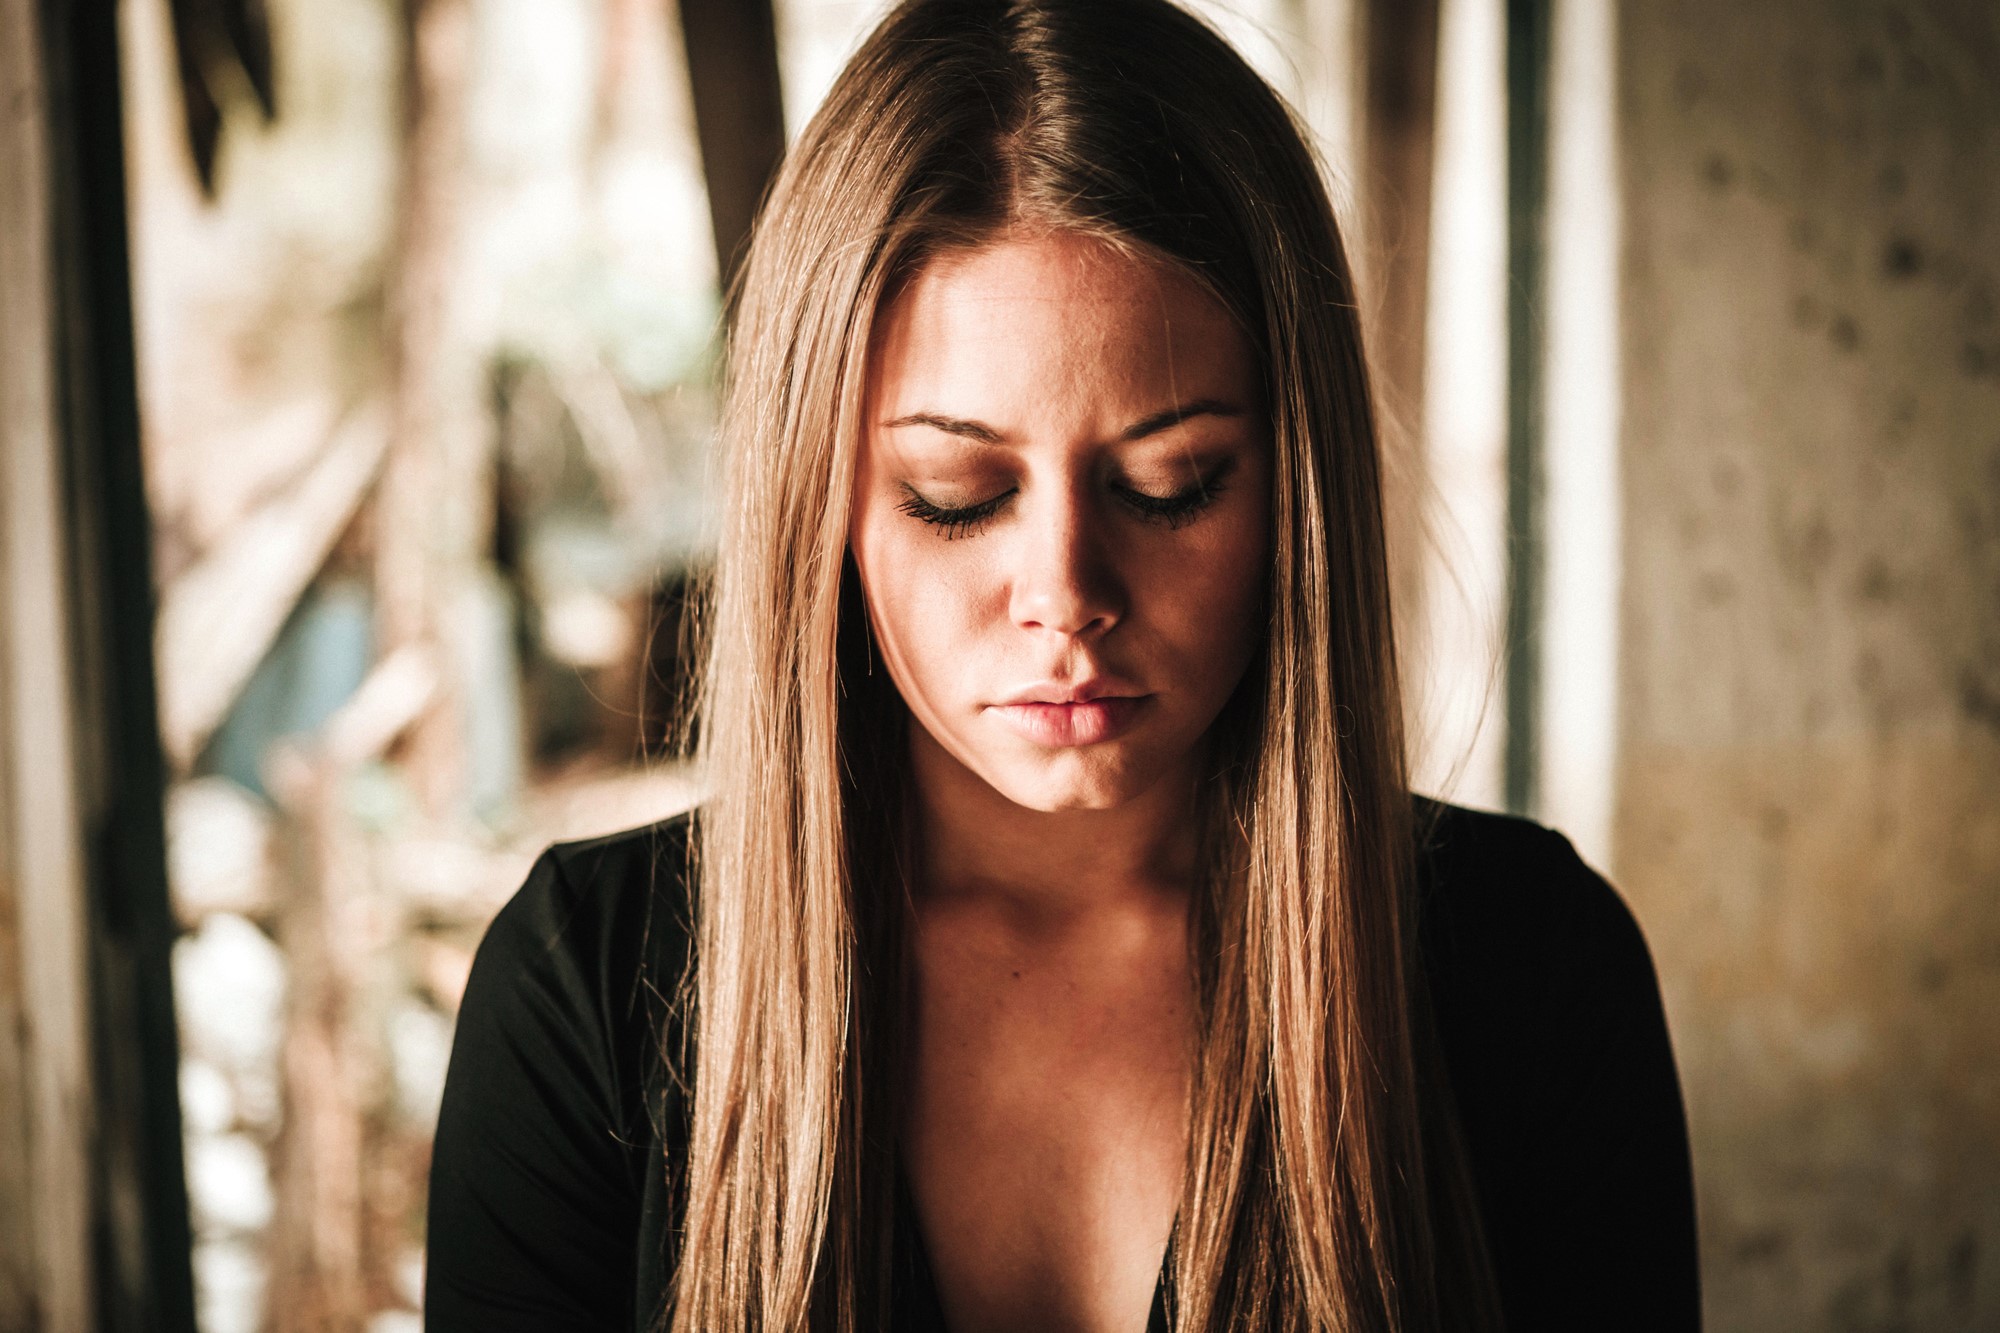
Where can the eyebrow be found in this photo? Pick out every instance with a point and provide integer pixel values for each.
(1138, 430)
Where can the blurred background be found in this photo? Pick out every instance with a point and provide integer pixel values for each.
(357, 365)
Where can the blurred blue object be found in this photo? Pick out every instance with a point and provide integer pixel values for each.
(319, 659)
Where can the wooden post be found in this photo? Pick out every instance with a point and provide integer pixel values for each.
(1529, 35)
(1399, 45)
(49, 1272)
(739, 113)
(93, 1204)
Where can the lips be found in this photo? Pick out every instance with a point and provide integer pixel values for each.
(1087, 712)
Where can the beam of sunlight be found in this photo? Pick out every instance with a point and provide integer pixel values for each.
(1579, 685)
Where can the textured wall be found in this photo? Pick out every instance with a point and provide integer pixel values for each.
(1808, 814)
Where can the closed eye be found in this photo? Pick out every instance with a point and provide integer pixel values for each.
(1177, 509)
(1174, 511)
(1182, 506)
(956, 521)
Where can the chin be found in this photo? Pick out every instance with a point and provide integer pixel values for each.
(1071, 782)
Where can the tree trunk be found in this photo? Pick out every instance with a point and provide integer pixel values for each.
(433, 514)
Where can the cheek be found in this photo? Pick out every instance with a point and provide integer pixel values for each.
(1207, 596)
(924, 597)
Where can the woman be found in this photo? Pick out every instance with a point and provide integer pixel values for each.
(1059, 946)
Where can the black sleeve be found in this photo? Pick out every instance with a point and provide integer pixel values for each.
(533, 1202)
(1609, 1159)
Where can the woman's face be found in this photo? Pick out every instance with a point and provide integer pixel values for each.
(1061, 515)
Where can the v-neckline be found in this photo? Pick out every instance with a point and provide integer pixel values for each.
(919, 1309)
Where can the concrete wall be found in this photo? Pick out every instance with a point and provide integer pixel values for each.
(1808, 815)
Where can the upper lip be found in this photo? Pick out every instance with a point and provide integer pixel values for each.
(1073, 692)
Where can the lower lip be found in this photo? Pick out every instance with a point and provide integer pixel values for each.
(1060, 725)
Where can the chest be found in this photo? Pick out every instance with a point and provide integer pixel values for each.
(1045, 1130)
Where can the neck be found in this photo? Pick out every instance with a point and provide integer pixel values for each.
(979, 845)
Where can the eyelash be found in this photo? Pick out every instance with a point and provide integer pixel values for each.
(1176, 510)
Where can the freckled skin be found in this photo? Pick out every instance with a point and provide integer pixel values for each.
(1045, 1128)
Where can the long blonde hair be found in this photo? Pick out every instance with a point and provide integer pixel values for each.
(1325, 1188)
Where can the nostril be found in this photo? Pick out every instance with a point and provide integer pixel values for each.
(1064, 614)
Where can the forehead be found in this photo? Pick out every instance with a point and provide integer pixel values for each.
(1059, 317)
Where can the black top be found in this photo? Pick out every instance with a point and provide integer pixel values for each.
(549, 1206)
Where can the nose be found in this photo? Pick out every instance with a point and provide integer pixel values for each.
(1065, 579)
